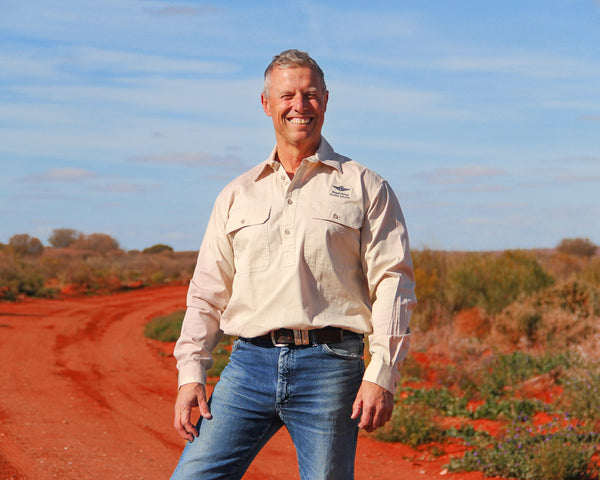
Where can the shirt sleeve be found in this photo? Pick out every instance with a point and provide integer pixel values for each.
(208, 295)
(388, 269)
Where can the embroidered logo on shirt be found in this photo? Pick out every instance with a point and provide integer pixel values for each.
(339, 191)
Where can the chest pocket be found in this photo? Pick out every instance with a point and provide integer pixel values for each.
(248, 230)
(333, 236)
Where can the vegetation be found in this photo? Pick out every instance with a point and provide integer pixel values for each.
(167, 329)
(583, 247)
(510, 338)
(513, 338)
(78, 263)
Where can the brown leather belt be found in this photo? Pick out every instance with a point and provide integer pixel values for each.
(284, 337)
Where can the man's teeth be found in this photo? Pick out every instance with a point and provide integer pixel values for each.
(301, 121)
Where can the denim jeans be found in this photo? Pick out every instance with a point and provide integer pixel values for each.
(309, 390)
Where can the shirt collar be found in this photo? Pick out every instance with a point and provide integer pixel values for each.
(325, 155)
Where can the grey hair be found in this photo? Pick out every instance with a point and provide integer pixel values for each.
(292, 59)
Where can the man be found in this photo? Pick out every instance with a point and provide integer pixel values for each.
(302, 255)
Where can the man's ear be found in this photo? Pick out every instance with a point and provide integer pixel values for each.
(265, 104)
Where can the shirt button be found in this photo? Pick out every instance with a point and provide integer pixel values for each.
(290, 201)
(335, 216)
(286, 231)
(283, 177)
(242, 221)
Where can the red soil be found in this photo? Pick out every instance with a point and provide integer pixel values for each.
(84, 395)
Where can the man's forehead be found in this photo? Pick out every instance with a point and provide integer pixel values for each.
(288, 75)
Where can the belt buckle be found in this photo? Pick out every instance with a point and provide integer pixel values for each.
(275, 342)
(301, 337)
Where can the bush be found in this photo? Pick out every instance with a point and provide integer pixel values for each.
(582, 247)
(430, 270)
(21, 278)
(158, 248)
(557, 318)
(165, 328)
(414, 426)
(553, 452)
(23, 244)
(63, 237)
(492, 282)
(96, 242)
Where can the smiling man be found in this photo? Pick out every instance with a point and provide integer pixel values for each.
(303, 256)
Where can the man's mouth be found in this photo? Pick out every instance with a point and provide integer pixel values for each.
(300, 121)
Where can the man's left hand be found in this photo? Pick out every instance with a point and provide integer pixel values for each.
(374, 404)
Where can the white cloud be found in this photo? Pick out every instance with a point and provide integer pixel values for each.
(61, 175)
(571, 178)
(192, 159)
(530, 65)
(462, 175)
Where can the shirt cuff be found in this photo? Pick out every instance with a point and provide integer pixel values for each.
(191, 372)
(385, 376)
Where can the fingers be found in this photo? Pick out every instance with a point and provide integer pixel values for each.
(374, 404)
(190, 396)
(183, 424)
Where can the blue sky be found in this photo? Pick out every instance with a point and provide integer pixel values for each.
(128, 117)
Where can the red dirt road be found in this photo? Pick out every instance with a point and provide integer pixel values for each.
(84, 395)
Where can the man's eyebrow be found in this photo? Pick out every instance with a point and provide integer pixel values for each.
(291, 91)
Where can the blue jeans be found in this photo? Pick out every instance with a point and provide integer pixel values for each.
(309, 390)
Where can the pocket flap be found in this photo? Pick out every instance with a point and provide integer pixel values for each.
(245, 217)
(347, 214)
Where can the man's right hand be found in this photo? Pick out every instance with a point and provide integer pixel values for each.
(190, 395)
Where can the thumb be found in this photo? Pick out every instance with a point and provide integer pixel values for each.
(356, 408)
(203, 407)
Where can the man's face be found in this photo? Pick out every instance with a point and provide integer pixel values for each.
(297, 105)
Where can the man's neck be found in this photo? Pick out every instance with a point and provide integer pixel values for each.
(291, 156)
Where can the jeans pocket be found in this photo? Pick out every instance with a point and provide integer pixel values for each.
(351, 348)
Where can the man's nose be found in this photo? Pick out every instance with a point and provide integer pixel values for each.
(300, 103)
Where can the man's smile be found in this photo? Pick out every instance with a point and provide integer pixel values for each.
(300, 121)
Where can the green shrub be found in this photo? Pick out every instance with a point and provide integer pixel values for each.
(413, 426)
(442, 400)
(556, 451)
(581, 397)
(492, 282)
(166, 328)
(20, 276)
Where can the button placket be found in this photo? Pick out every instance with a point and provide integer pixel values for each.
(288, 226)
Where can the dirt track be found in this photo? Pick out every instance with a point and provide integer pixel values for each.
(83, 395)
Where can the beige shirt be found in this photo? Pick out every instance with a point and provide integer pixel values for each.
(328, 248)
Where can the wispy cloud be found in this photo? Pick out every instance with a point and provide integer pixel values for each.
(585, 159)
(527, 65)
(461, 175)
(60, 175)
(122, 187)
(182, 10)
(192, 159)
(571, 178)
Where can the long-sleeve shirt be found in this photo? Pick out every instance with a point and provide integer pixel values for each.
(327, 248)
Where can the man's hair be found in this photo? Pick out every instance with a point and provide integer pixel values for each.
(292, 59)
